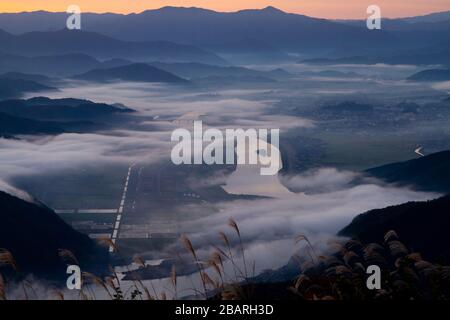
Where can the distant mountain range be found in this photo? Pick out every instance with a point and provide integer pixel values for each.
(429, 173)
(268, 35)
(65, 41)
(431, 75)
(423, 226)
(193, 25)
(268, 30)
(51, 21)
(33, 234)
(137, 72)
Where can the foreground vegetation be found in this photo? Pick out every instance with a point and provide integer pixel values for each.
(340, 275)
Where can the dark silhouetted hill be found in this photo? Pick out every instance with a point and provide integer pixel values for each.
(13, 125)
(138, 72)
(429, 173)
(34, 234)
(423, 226)
(42, 108)
(42, 115)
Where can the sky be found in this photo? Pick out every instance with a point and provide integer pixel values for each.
(336, 9)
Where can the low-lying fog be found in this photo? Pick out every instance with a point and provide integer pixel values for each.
(268, 226)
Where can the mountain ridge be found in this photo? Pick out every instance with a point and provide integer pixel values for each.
(198, 26)
(422, 17)
(204, 28)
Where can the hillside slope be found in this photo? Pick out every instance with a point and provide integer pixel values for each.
(34, 234)
(423, 226)
(429, 173)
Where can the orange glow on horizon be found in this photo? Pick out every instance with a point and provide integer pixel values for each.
(336, 9)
